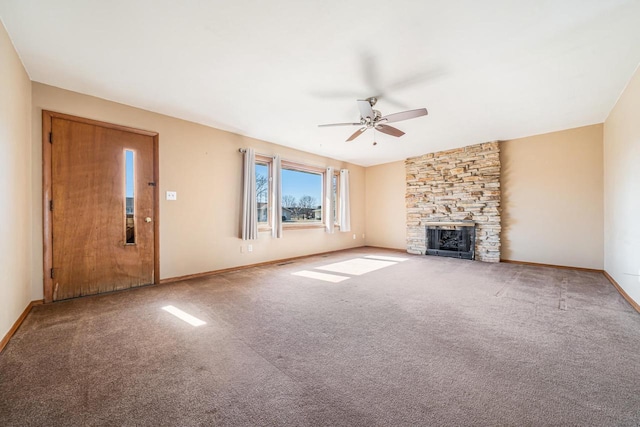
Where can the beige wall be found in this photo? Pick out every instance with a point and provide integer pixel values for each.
(199, 231)
(15, 185)
(552, 198)
(386, 216)
(622, 190)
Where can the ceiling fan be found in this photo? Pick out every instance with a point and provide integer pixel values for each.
(373, 119)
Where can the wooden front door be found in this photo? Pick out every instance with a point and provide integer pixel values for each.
(101, 213)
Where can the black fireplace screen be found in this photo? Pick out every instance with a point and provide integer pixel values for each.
(458, 242)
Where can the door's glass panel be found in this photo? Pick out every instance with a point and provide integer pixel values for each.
(129, 175)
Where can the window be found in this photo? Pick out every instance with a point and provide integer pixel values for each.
(263, 191)
(335, 195)
(302, 195)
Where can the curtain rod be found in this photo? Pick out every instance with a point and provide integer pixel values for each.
(244, 150)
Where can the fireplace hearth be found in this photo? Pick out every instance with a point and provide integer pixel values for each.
(451, 239)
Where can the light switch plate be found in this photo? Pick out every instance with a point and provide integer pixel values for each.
(172, 195)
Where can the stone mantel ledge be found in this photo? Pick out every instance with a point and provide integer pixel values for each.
(451, 223)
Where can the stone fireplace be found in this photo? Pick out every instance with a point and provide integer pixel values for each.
(459, 185)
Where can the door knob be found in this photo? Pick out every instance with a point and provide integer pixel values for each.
(147, 219)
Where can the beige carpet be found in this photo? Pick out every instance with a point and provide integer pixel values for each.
(424, 341)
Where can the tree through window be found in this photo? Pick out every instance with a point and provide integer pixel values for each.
(262, 192)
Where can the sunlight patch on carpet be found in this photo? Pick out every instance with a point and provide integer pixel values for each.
(194, 321)
(387, 258)
(356, 266)
(333, 278)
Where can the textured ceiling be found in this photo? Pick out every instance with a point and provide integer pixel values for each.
(274, 70)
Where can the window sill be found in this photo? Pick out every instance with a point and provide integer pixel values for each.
(301, 226)
(293, 226)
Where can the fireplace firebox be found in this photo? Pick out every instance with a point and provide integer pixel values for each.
(455, 239)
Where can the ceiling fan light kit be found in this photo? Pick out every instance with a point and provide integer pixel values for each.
(373, 119)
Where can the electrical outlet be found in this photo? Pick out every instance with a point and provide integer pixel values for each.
(172, 195)
(363, 235)
(241, 249)
(249, 248)
(354, 237)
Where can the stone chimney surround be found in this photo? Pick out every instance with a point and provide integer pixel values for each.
(456, 185)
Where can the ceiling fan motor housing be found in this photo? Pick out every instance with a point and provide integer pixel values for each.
(372, 121)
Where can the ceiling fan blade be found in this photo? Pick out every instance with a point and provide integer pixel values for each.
(405, 115)
(339, 124)
(389, 130)
(356, 134)
(328, 94)
(365, 109)
(390, 100)
(369, 69)
(431, 73)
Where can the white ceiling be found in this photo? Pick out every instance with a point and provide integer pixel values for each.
(274, 70)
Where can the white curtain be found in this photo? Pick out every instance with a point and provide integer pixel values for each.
(249, 204)
(345, 209)
(328, 201)
(276, 226)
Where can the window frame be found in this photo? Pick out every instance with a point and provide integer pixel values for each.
(300, 167)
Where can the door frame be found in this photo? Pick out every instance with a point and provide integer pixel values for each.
(47, 218)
